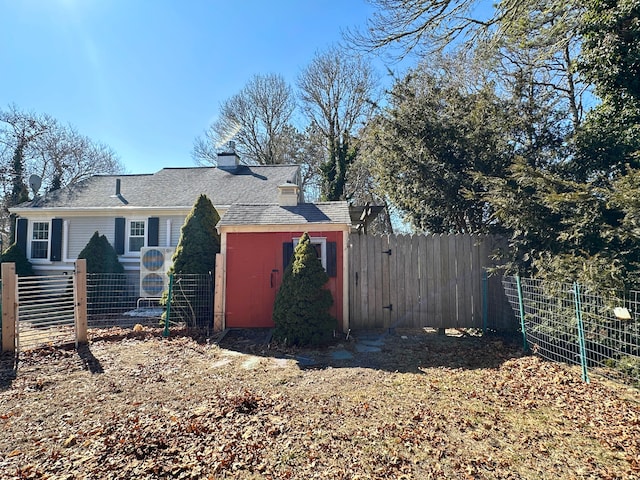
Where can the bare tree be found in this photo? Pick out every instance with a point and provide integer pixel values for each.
(33, 143)
(257, 119)
(337, 93)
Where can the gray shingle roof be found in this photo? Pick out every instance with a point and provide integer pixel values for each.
(174, 187)
(304, 213)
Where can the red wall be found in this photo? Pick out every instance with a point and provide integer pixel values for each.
(254, 274)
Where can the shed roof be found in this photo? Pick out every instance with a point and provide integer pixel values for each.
(273, 214)
(173, 187)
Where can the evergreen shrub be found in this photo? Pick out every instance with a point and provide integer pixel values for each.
(301, 310)
(192, 299)
(109, 286)
(14, 254)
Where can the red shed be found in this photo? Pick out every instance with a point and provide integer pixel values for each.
(257, 243)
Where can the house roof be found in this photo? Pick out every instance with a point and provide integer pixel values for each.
(273, 214)
(173, 187)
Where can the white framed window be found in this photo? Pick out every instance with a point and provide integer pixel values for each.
(136, 238)
(40, 240)
(320, 245)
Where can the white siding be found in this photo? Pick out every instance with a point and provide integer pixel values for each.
(81, 229)
(176, 226)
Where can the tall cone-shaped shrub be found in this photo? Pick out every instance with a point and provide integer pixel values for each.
(199, 240)
(301, 310)
(193, 263)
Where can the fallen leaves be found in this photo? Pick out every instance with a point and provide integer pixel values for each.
(426, 407)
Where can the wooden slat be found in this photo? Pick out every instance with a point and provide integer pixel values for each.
(405, 270)
(393, 277)
(463, 266)
(423, 281)
(453, 281)
(355, 288)
(386, 281)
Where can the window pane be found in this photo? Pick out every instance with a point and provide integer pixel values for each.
(137, 229)
(40, 231)
(39, 249)
(136, 243)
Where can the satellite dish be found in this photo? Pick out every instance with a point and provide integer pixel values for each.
(35, 182)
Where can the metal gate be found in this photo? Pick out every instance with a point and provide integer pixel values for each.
(46, 311)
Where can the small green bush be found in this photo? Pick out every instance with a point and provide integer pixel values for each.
(14, 254)
(101, 256)
(110, 285)
(301, 310)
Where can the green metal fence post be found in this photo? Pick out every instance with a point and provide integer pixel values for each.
(485, 302)
(165, 332)
(525, 345)
(581, 342)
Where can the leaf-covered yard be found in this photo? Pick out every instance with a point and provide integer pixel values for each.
(135, 405)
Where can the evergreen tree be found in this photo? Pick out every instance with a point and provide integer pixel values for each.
(192, 300)
(199, 240)
(14, 254)
(101, 256)
(301, 310)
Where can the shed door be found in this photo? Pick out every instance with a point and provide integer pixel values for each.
(254, 273)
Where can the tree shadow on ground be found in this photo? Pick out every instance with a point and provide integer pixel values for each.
(399, 350)
(8, 369)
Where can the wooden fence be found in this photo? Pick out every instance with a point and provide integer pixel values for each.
(417, 281)
(43, 310)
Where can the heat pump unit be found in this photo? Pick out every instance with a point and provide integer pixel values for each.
(154, 264)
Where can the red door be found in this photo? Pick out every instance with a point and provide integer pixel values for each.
(254, 273)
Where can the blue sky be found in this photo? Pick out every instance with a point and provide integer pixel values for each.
(147, 76)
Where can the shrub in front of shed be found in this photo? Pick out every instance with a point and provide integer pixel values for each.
(301, 310)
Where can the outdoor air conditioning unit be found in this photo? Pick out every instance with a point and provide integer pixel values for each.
(154, 264)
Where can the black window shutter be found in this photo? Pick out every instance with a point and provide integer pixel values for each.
(153, 232)
(56, 240)
(21, 234)
(287, 254)
(119, 236)
(332, 259)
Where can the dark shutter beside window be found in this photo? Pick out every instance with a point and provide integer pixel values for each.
(153, 232)
(56, 240)
(119, 236)
(332, 259)
(21, 234)
(287, 254)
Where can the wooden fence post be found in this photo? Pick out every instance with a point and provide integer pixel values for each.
(80, 297)
(9, 306)
(218, 300)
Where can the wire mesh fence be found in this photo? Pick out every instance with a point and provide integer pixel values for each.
(600, 331)
(115, 300)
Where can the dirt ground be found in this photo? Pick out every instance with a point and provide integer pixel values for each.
(404, 405)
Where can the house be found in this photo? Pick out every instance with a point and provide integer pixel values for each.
(136, 211)
(262, 217)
